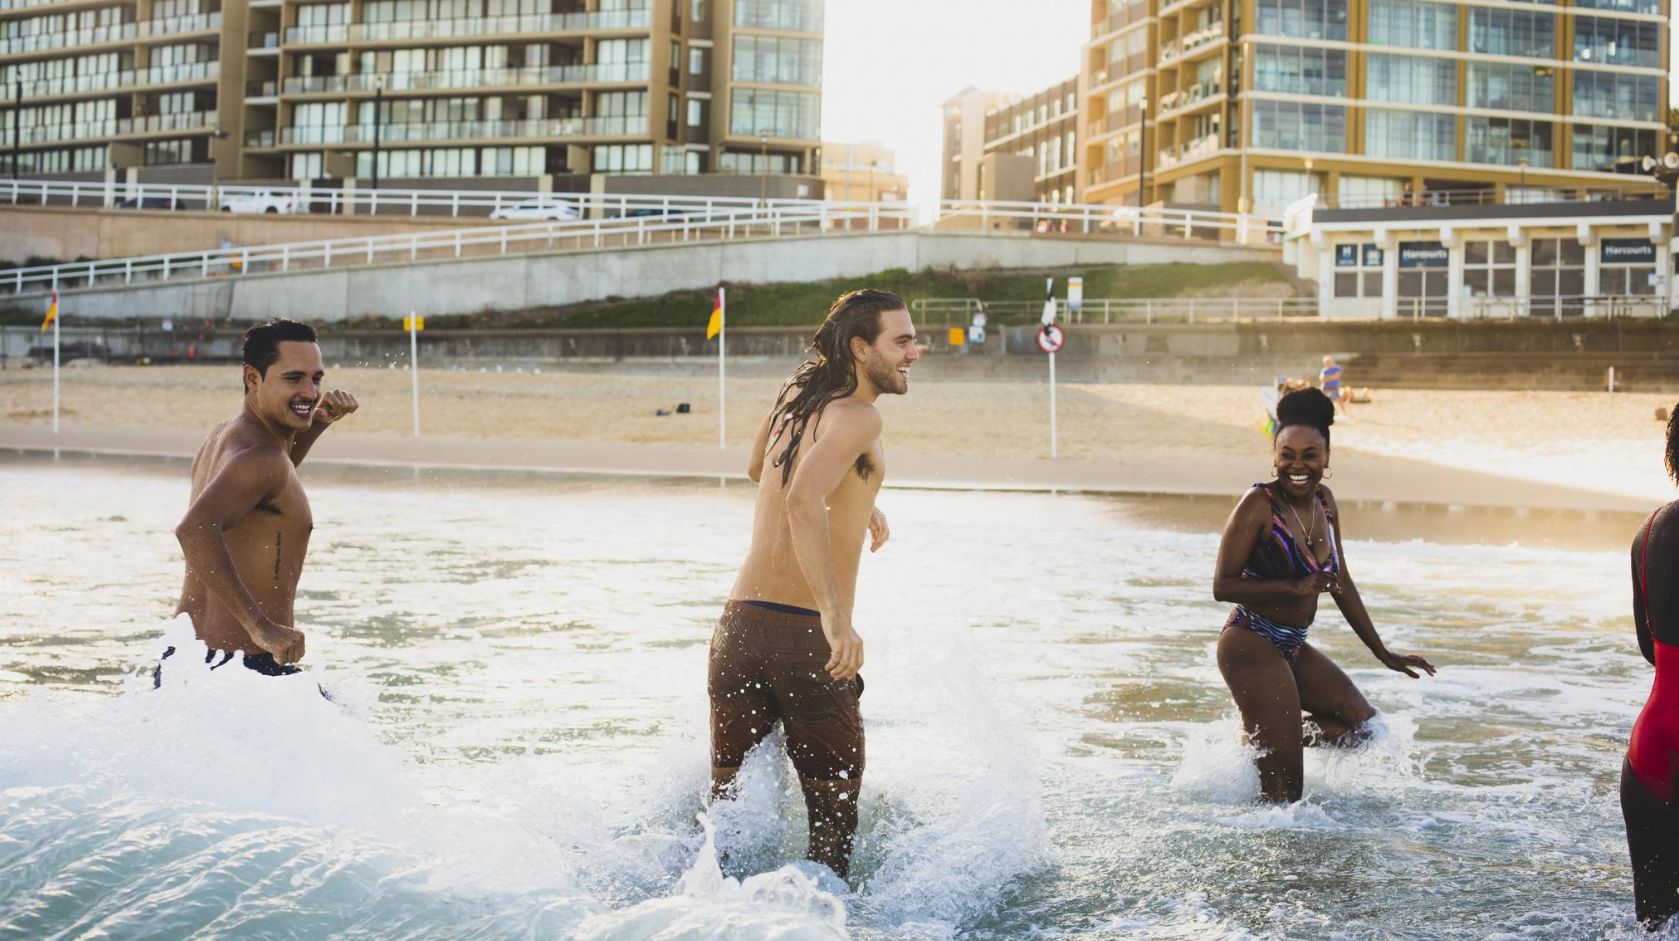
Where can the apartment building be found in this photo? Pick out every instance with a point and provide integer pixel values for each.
(862, 172)
(410, 90)
(1252, 104)
(1025, 148)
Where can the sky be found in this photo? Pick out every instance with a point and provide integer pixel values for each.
(889, 65)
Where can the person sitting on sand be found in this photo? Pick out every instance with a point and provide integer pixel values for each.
(1281, 549)
(785, 648)
(1650, 771)
(246, 530)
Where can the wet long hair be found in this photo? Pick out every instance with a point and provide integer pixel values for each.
(1309, 407)
(831, 373)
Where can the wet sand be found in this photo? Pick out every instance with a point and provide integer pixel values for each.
(1511, 449)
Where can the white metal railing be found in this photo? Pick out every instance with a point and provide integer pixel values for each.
(1543, 307)
(677, 225)
(1108, 219)
(960, 310)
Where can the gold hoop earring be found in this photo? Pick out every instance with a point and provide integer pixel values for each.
(1328, 474)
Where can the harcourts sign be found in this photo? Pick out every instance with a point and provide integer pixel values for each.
(1627, 252)
(1423, 255)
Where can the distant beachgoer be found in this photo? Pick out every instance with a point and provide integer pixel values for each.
(1329, 380)
(785, 648)
(1281, 549)
(1650, 771)
(246, 530)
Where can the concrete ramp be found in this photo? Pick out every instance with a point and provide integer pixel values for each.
(544, 279)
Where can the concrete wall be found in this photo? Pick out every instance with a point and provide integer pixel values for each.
(66, 234)
(515, 282)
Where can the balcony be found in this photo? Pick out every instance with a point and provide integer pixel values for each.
(91, 36)
(263, 42)
(172, 25)
(472, 78)
(259, 90)
(1190, 42)
(165, 123)
(1203, 146)
(336, 34)
(464, 130)
(259, 139)
(477, 26)
(1191, 96)
(126, 78)
(51, 133)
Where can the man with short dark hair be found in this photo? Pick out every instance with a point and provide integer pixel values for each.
(246, 530)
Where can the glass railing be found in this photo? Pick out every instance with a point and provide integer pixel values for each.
(66, 132)
(89, 36)
(336, 33)
(158, 123)
(268, 89)
(470, 78)
(259, 138)
(125, 78)
(169, 25)
(463, 130)
(472, 26)
(258, 41)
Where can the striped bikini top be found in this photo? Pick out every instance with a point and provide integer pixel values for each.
(1277, 556)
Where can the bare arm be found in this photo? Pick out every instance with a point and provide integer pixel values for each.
(1352, 608)
(760, 443)
(334, 405)
(230, 495)
(1640, 613)
(846, 433)
(1246, 526)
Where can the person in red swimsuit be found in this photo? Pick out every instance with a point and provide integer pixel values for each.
(1650, 773)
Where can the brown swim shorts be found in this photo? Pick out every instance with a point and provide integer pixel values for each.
(766, 665)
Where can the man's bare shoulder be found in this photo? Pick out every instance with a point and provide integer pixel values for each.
(245, 452)
(853, 416)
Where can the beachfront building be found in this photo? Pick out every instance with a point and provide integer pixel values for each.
(1253, 104)
(1024, 149)
(1557, 258)
(706, 95)
(862, 172)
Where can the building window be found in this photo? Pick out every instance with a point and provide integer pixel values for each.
(1489, 268)
(1414, 80)
(782, 114)
(1297, 70)
(1628, 267)
(696, 60)
(696, 112)
(1303, 19)
(1293, 125)
(1558, 273)
(1602, 148)
(777, 60)
(1358, 270)
(1616, 95)
(1648, 7)
(306, 166)
(1509, 87)
(1513, 32)
(1277, 188)
(623, 158)
(799, 16)
(1414, 24)
(1617, 42)
(1509, 141)
(1410, 135)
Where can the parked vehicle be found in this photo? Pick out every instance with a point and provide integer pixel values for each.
(656, 212)
(151, 202)
(543, 209)
(266, 201)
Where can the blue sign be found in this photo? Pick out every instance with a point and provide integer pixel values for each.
(1424, 255)
(1627, 252)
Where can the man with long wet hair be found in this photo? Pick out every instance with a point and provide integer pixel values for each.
(785, 648)
(246, 530)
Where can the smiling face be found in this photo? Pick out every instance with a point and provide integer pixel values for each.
(886, 362)
(1301, 457)
(285, 394)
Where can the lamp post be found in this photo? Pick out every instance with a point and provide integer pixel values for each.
(873, 166)
(378, 107)
(1245, 202)
(218, 147)
(763, 167)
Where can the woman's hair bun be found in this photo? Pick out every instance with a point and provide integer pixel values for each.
(1306, 407)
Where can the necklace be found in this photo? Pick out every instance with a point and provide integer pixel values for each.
(1311, 539)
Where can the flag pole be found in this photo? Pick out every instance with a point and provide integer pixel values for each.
(722, 391)
(1054, 443)
(414, 364)
(56, 318)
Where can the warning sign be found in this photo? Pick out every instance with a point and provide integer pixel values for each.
(1050, 338)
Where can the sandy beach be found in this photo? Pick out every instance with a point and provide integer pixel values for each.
(1561, 450)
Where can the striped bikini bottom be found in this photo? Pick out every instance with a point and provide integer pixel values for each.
(1287, 640)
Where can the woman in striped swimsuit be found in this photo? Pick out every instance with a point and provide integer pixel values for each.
(1281, 550)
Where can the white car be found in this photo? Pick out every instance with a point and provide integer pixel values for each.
(538, 210)
(261, 201)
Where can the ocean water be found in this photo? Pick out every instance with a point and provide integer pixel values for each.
(517, 746)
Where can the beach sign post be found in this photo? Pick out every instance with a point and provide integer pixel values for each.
(414, 323)
(52, 321)
(1050, 338)
(715, 329)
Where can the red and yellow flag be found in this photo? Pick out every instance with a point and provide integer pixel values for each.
(716, 325)
(52, 313)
